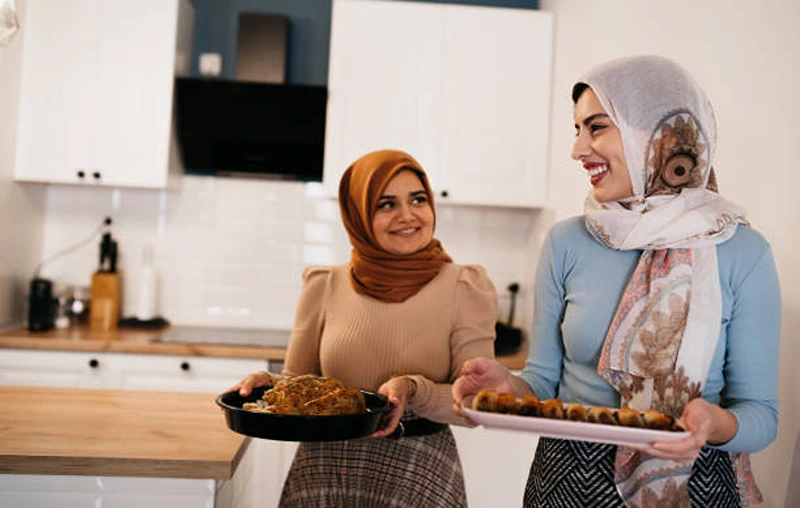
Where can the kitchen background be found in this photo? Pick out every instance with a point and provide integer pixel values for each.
(230, 252)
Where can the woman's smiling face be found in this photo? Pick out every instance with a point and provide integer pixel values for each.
(403, 221)
(598, 147)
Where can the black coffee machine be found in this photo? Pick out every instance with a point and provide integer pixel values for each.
(42, 306)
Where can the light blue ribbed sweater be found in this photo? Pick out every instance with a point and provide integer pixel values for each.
(579, 282)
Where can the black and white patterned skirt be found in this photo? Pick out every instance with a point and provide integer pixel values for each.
(567, 474)
(420, 471)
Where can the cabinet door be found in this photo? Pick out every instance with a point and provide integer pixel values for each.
(383, 83)
(64, 369)
(134, 93)
(496, 464)
(181, 374)
(96, 91)
(57, 85)
(495, 109)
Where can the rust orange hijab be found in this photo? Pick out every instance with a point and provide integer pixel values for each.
(374, 271)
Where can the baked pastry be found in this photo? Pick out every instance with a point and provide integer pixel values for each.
(310, 395)
(552, 408)
(600, 414)
(484, 401)
(654, 419)
(575, 412)
(529, 406)
(506, 403)
(630, 417)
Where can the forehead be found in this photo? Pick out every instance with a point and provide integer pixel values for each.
(587, 105)
(404, 180)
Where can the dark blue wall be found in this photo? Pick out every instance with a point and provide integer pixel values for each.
(216, 28)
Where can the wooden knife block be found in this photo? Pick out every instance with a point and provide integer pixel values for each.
(104, 301)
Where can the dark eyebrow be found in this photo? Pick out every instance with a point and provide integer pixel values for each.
(592, 118)
(413, 194)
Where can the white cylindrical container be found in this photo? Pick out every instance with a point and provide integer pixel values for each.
(147, 299)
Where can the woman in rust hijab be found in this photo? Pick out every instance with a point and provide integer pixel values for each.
(399, 318)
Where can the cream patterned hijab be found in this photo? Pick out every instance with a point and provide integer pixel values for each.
(660, 344)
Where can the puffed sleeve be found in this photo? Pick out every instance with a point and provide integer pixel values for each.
(302, 353)
(472, 335)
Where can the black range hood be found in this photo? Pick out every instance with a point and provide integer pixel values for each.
(238, 128)
(255, 125)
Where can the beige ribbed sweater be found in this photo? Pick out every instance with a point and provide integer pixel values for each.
(364, 341)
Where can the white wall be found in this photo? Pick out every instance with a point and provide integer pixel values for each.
(230, 252)
(745, 54)
(21, 207)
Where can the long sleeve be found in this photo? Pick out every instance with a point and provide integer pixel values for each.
(472, 335)
(543, 367)
(302, 354)
(752, 354)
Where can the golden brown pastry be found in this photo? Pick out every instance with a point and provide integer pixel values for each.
(552, 408)
(484, 401)
(657, 420)
(630, 417)
(600, 414)
(506, 403)
(575, 412)
(529, 406)
(312, 396)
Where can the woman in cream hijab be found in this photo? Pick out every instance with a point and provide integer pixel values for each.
(660, 296)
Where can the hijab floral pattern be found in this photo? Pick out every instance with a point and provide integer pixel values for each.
(679, 158)
(662, 338)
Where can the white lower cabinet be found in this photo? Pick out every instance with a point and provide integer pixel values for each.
(496, 464)
(33, 491)
(258, 477)
(123, 371)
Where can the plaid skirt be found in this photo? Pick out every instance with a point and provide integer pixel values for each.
(567, 474)
(420, 471)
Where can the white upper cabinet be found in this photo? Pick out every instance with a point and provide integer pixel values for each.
(464, 89)
(96, 90)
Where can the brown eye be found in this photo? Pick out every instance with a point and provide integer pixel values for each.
(678, 170)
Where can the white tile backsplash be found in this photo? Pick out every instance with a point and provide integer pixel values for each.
(230, 252)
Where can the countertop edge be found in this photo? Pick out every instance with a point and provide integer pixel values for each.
(142, 342)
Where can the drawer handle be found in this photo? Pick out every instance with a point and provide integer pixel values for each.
(185, 366)
(94, 363)
(445, 193)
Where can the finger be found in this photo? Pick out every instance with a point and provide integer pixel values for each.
(394, 418)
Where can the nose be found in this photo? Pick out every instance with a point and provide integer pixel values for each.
(404, 212)
(581, 147)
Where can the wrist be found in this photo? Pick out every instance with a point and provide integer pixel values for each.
(411, 386)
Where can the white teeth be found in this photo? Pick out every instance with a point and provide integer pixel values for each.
(596, 171)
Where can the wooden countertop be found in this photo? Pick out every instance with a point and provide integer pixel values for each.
(72, 431)
(127, 340)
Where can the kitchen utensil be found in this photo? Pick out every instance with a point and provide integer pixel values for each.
(508, 338)
(301, 428)
(42, 305)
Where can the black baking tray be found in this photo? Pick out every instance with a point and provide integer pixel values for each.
(299, 427)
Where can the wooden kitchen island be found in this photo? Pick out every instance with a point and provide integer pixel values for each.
(114, 435)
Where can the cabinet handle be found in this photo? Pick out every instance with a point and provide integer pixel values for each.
(96, 175)
(94, 363)
(185, 366)
(81, 174)
(444, 193)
